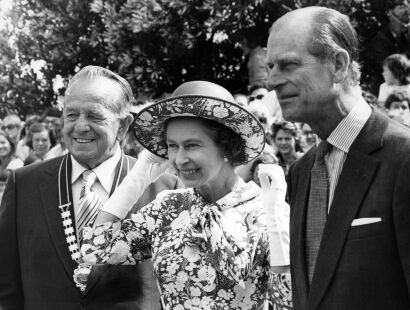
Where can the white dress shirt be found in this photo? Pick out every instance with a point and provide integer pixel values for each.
(342, 138)
(105, 176)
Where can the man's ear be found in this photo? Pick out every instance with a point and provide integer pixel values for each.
(124, 125)
(341, 61)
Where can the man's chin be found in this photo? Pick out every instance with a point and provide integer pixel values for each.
(86, 159)
(292, 113)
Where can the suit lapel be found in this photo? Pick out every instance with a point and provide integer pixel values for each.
(50, 202)
(355, 178)
(97, 271)
(298, 226)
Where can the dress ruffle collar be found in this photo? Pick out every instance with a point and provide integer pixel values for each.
(241, 193)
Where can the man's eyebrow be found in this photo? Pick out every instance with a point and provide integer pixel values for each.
(284, 58)
(288, 58)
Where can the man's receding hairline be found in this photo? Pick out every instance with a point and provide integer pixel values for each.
(307, 13)
(99, 97)
(307, 23)
(91, 78)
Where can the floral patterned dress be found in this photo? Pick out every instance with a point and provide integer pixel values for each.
(205, 255)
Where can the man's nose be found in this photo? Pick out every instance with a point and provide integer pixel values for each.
(82, 123)
(275, 80)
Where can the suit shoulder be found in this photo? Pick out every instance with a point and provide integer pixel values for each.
(304, 159)
(35, 168)
(397, 136)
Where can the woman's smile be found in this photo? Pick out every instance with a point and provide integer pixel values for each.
(187, 172)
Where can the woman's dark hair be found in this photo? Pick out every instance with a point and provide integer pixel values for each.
(231, 144)
(29, 121)
(370, 98)
(40, 127)
(399, 65)
(12, 146)
(396, 96)
(290, 128)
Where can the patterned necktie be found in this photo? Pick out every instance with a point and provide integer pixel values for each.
(317, 207)
(89, 201)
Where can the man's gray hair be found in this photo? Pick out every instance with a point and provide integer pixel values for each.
(123, 107)
(332, 31)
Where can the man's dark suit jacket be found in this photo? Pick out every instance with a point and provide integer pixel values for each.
(358, 267)
(36, 270)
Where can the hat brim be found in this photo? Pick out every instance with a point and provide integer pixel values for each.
(148, 123)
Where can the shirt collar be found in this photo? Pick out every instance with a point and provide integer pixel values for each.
(343, 136)
(105, 171)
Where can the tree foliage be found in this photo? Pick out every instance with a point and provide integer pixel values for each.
(63, 35)
(155, 44)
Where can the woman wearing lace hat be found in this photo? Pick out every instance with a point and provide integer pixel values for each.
(210, 243)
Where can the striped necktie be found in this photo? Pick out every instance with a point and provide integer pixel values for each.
(317, 206)
(89, 201)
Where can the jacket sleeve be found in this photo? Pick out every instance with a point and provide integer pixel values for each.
(401, 213)
(11, 291)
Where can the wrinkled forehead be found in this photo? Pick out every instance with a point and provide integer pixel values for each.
(98, 86)
(288, 33)
(296, 21)
(99, 90)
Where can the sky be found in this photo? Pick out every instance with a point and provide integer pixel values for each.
(5, 5)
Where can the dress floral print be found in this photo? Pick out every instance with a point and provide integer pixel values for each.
(205, 255)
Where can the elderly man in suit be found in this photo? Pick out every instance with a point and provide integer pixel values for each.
(350, 195)
(46, 205)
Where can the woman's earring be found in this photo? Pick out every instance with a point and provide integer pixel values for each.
(226, 159)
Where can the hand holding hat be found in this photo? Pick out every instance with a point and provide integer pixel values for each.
(145, 171)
